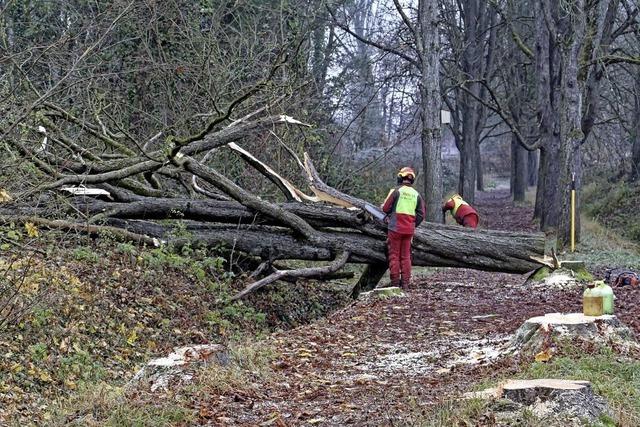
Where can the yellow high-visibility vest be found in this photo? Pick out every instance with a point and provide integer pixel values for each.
(457, 202)
(407, 201)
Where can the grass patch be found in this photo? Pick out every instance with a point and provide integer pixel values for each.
(103, 405)
(247, 365)
(452, 413)
(605, 247)
(615, 378)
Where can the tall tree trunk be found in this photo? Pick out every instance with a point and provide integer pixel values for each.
(471, 65)
(532, 168)
(468, 160)
(571, 124)
(539, 205)
(519, 170)
(547, 75)
(479, 170)
(635, 136)
(429, 50)
(550, 209)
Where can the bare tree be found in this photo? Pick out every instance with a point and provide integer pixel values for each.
(422, 55)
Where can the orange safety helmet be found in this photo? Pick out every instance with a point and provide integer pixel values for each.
(407, 174)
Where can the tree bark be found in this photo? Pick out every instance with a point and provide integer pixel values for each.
(635, 135)
(430, 136)
(519, 170)
(532, 168)
(539, 205)
(571, 122)
(479, 170)
(548, 76)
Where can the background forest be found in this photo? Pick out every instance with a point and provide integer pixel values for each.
(551, 86)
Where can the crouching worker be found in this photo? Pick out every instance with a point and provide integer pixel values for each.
(405, 210)
(462, 211)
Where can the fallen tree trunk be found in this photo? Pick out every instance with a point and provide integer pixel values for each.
(220, 223)
(432, 247)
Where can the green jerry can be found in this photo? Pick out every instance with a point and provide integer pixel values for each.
(592, 301)
(607, 296)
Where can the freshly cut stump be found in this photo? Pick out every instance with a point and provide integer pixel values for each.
(540, 334)
(160, 374)
(382, 293)
(559, 402)
(527, 392)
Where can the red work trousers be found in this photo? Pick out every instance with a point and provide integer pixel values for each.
(470, 220)
(399, 258)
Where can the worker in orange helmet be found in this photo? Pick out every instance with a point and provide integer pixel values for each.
(462, 212)
(405, 210)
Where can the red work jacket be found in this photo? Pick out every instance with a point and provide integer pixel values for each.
(405, 209)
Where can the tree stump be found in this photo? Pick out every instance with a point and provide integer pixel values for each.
(159, 374)
(557, 402)
(540, 334)
(382, 293)
(527, 392)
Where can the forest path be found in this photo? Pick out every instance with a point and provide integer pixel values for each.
(378, 361)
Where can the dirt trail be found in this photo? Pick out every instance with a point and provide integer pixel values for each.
(378, 361)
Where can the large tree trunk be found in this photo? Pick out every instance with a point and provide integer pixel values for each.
(479, 170)
(429, 50)
(550, 210)
(468, 163)
(532, 168)
(635, 136)
(230, 224)
(548, 67)
(519, 170)
(539, 205)
(571, 124)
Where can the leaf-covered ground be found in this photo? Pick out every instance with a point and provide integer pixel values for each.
(104, 309)
(386, 361)
(383, 361)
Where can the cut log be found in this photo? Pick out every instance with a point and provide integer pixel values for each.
(544, 333)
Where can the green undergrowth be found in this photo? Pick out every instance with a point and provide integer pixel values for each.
(614, 377)
(614, 205)
(601, 246)
(93, 311)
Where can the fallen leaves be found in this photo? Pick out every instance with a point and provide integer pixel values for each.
(32, 230)
(544, 356)
(5, 197)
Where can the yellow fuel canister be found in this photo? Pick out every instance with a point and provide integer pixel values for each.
(592, 301)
